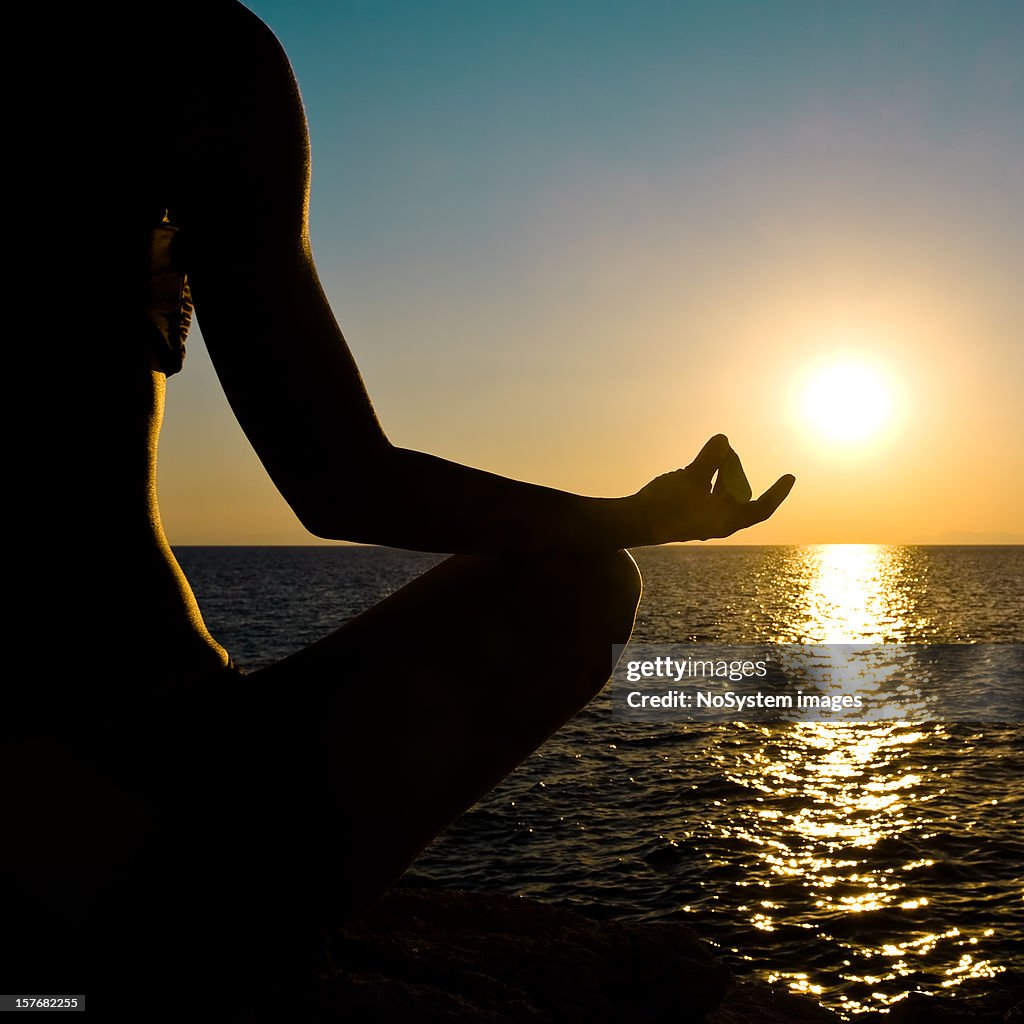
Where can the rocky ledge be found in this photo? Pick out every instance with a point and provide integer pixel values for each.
(428, 956)
(425, 955)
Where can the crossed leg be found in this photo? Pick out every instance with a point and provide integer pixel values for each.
(426, 701)
(324, 777)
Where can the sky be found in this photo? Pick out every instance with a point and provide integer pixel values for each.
(569, 241)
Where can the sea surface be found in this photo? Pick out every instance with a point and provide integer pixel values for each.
(854, 862)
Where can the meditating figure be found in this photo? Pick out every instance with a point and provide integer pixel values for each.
(139, 760)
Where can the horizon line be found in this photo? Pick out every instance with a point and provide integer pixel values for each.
(699, 545)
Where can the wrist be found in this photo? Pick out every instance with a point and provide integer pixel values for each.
(633, 522)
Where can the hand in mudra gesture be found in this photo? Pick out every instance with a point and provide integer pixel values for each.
(684, 505)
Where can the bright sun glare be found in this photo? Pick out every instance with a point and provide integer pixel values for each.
(847, 402)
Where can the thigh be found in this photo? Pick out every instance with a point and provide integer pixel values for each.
(406, 715)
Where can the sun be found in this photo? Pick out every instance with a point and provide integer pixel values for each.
(846, 401)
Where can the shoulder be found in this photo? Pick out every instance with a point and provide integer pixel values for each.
(240, 41)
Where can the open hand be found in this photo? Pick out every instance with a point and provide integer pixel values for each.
(683, 505)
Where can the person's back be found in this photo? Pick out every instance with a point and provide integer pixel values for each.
(134, 104)
(121, 124)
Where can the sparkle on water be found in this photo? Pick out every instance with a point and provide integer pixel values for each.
(845, 798)
(854, 862)
(844, 802)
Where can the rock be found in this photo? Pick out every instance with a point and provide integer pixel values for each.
(423, 955)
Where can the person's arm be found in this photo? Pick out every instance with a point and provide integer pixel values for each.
(416, 500)
(294, 385)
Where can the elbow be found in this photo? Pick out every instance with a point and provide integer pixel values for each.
(319, 525)
(345, 500)
(339, 526)
(327, 520)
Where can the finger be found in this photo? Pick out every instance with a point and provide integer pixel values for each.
(732, 480)
(765, 506)
(710, 457)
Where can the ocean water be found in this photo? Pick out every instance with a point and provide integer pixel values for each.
(854, 862)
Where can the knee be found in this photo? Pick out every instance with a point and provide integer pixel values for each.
(587, 596)
(602, 593)
(622, 587)
(606, 589)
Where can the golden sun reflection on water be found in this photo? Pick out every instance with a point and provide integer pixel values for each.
(837, 797)
(845, 793)
(855, 593)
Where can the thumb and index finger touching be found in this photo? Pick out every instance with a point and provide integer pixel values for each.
(710, 458)
(717, 455)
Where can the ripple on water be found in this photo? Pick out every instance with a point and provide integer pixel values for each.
(854, 863)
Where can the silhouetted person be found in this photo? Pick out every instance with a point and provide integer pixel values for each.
(147, 776)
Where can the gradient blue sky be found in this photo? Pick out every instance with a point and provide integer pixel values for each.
(569, 241)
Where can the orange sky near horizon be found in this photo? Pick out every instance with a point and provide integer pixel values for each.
(580, 298)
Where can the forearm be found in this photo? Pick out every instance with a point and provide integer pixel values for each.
(293, 382)
(413, 500)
